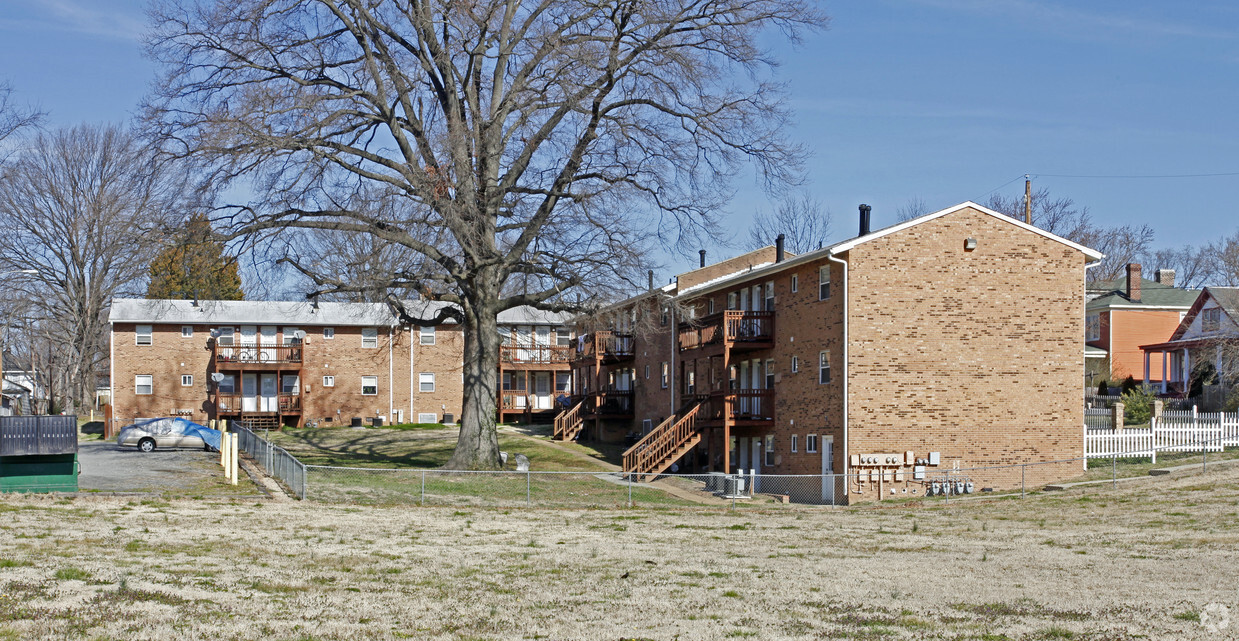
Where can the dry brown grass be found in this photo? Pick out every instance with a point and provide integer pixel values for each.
(1140, 562)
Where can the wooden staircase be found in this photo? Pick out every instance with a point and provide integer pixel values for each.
(664, 445)
(263, 422)
(569, 423)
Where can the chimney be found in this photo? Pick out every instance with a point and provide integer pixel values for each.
(703, 257)
(864, 219)
(1133, 281)
(651, 275)
(778, 249)
(1164, 276)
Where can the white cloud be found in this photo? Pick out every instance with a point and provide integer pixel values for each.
(110, 19)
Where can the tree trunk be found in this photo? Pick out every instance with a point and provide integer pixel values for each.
(478, 445)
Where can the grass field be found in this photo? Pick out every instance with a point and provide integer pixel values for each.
(1140, 562)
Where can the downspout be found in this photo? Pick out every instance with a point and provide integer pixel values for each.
(675, 348)
(1110, 338)
(846, 367)
(412, 377)
(391, 379)
(111, 376)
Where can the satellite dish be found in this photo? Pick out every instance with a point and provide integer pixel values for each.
(215, 332)
(299, 334)
(217, 377)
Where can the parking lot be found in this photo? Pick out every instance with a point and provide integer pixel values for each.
(107, 467)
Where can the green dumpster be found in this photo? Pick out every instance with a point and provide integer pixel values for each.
(38, 454)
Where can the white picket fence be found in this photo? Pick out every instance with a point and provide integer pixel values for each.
(1177, 431)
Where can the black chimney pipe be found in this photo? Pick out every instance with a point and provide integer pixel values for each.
(778, 248)
(864, 219)
(703, 257)
(651, 275)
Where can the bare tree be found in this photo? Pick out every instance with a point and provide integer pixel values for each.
(1224, 259)
(85, 209)
(914, 208)
(13, 117)
(1121, 245)
(801, 218)
(548, 143)
(1194, 267)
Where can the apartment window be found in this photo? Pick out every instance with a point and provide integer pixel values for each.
(187, 331)
(289, 384)
(1210, 319)
(710, 306)
(666, 374)
(795, 283)
(795, 441)
(329, 381)
(290, 336)
(1092, 327)
(795, 364)
(823, 367)
(143, 384)
(731, 300)
(810, 442)
(369, 385)
(227, 385)
(823, 282)
(666, 315)
(562, 382)
(427, 335)
(563, 337)
(143, 334)
(647, 372)
(770, 374)
(426, 382)
(187, 380)
(769, 451)
(770, 296)
(329, 332)
(369, 337)
(227, 336)
(690, 382)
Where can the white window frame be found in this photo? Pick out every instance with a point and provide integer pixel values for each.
(647, 371)
(769, 462)
(148, 334)
(427, 332)
(374, 385)
(795, 283)
(422, 417)
(329, 333)
(823, 282)
(810, 441)
(289, 336)
(823, 366)
(231, 389)
(296, 387)
(187, 331)
(422, 381)
(769, 302)
(369, 338)
(665, 374)
(710, 306)
(227, 336)
(563, 337)
(187, 380)
(329, 381)
(149, 384)
(795, 442)
(795, 364)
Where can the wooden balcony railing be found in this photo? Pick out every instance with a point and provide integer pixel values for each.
(606, 403)
(740, 405)
(281, 403)
(569, 423)
(534, 354)
(731, 327)
(605, 345)
(248, 354)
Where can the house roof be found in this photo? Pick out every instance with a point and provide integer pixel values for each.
(297, 313)
(1152, 294)
(1227, 298)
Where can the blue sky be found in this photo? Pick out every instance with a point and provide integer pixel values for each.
(941, 100)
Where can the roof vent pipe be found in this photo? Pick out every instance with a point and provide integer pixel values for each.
(651, 275)
(703, 257)
(778, 249)
(864, 219)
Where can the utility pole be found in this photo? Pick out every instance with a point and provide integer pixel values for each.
(1027, 199)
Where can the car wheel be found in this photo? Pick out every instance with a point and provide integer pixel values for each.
(147, 445)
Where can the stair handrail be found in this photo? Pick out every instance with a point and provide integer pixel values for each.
(661, 442)
(567, 418)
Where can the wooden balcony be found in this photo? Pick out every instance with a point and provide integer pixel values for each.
(233, 405)
(611, 404)
(257, 357)
(734, 329)
(605, 346)
(535, 357)
(739, 407)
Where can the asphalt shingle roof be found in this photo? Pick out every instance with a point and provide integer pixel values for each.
(1152, 294)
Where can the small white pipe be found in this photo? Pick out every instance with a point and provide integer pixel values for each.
(846, 352)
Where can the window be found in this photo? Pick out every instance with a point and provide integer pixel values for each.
(329, 381)
(290, 336)
(769, 451)
(427, 335)
(1092, 327)
(143, 334)
(823, 283)
(369, 337)
(426, 382)
(143, 384)
(770, 296)
(810, 441)
(289, 384)
(647, 372)
(690, 382)
(770, 374)
(795, 283)
(187, 331)
(823, 367)
(427, 417)
(562, 382)
(1210, 319)
(329, 332)
(795, 364)
(187, 380)
(227, 336)
(227, 385)
(369, 385)
(710, 306)
(795, 441)
(731, 300)
(563, 337)
(666, 374)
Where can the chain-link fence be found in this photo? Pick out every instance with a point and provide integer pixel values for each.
(273, 459)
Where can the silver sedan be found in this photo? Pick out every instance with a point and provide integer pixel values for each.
(165, 433)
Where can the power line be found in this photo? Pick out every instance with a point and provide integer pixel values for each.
(1231, 173)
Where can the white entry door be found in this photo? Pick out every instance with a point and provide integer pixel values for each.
(542, 391)
(249, 338)
(267, 338)
(267, 392)
(524, 339)
(249, 392)
(829, 482)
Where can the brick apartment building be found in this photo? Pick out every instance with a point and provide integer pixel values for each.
(293, 363)
(956, 333)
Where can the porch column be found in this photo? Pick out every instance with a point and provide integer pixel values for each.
(1164, 372)
(1187, 372)
(1146, 369)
